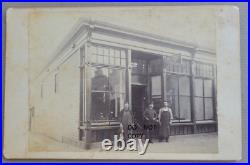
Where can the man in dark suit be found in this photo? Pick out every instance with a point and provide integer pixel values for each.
(149, 121)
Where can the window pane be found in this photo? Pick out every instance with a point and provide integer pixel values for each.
(156, 66)
(186, 66)
(208, 88)
(117, 57)
(94, 59)
(197, 69)
(112, 57)
(172, 86)
(116, 104)
(99, 79)
(143, 67)
(99, 59)
(156, 85)
(123, 62)
(209, 114)
(176, 68)
(105, 51)
(100, 105)
(169, 67)
(112, 61)
(117, 80)
(139, 66)
(184, 85)
(185, 109)
(108, 93)
(123, 55)
(211, 71)
(199, 109)
(205, 70)
(175, 107)
(99, 50)
(117, 53)
(117, 61)
(106, 60)
(198, 87)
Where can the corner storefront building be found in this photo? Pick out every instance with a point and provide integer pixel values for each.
(77, 98)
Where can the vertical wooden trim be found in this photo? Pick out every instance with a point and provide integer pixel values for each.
(164, 78)
(148, 99)
(88, 83)
(128, 80)
(88, 97)
(192, 90)
(81, 54)
(179, 108)
(214, 92)
(204, 99)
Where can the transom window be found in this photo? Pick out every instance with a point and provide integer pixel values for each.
(108, 56)
(203, 70)
(179, 66)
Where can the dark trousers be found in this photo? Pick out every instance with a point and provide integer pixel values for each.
(149, 133)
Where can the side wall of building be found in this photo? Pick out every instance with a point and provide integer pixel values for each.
(56, 101)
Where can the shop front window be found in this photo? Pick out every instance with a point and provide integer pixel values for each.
(204, 91)
(108, 93)
(178, 87)
(107, 83)
(178, 93)
(203, 99)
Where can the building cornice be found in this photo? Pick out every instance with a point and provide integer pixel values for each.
(89, 26)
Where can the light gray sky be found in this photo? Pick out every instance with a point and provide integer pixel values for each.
(48, 27)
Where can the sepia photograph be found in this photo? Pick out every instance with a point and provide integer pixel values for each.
(109, 82)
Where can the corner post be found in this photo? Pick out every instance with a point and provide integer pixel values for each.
(88, 138)
(81, 109)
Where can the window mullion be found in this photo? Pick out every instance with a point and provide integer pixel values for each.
(179, 113)
(203, 94)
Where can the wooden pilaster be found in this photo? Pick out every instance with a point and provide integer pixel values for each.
(192, 90)
(88, 98)
(81, 107)
(128, 79)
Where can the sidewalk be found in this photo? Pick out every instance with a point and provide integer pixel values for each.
(193, 143)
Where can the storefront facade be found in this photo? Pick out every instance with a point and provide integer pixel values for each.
(118, 65)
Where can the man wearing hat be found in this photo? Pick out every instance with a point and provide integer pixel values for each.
(149, 121)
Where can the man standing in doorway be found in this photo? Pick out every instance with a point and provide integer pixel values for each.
(149, 118)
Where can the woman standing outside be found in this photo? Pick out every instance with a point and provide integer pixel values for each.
(165, 117)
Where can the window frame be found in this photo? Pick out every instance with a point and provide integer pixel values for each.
(178, 95)
(110, 66)
(203, 97)
(199, 75)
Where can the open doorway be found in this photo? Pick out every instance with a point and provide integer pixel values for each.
(139, 98)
